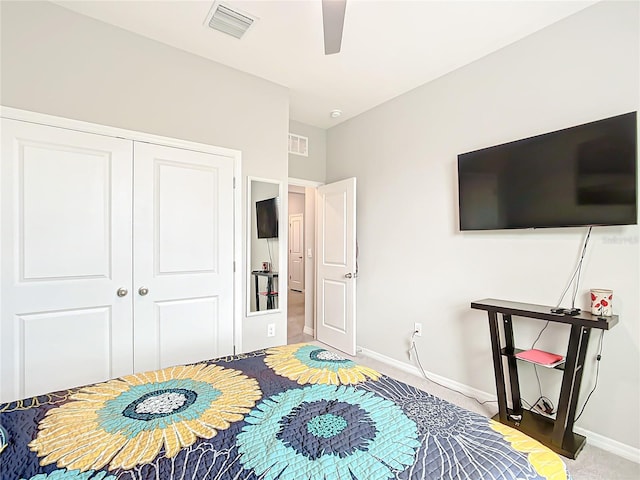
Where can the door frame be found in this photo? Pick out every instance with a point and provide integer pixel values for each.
(309, 293)
(233, 155)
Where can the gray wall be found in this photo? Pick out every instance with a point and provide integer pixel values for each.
(61, 63)
(312, 167)
(415, 266)
(296, 202)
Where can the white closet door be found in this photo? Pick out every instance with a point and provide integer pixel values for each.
(66, 249)
(183, 256)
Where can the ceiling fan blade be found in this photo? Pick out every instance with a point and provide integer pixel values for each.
(333, 22)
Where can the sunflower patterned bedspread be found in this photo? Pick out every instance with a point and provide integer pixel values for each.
(295, 412)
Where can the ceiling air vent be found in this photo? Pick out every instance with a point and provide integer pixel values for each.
(229, 20)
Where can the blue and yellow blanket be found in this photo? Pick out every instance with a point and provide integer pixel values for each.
(295, 412)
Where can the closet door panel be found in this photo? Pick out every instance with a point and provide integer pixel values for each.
(186, 237)
(66, 249)
(183, 256)
(73, 212)
(79, 357)
(181, 329)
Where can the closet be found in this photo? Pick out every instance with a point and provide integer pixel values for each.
(116, 256)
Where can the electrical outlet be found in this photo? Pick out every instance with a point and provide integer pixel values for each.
(417, 328)
(271, 330)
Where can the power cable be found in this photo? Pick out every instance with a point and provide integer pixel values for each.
(576, 272)
(424, 374)
(269, 249)
(574, 276)
(598, 358)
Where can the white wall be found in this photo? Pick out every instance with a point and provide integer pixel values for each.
(61, 63)
(314, 166)
(415, 266)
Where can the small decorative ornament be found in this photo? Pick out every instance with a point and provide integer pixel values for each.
(601, 302)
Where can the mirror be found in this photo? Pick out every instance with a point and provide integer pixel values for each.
(264, 217)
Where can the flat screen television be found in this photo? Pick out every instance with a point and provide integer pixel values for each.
(267, 217)
(583, 175)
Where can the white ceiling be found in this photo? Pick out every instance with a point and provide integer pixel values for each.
(389, 47)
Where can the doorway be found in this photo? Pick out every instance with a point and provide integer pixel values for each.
(329, 311)
(301, 248)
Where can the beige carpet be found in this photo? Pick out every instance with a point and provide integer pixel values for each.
(295, 318)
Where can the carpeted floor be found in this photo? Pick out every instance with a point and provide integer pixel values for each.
(295, 318)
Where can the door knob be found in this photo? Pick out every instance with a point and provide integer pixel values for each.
(122, 292)
(143, 291)
(348, 275)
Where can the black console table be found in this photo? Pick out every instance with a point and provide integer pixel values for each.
(556, 434)
(270, 293)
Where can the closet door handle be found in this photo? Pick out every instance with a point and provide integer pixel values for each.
(122, 292)
(143, 291)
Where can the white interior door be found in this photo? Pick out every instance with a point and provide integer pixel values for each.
(336, 265)
(65, 235)
(296, 252)
(183, 256)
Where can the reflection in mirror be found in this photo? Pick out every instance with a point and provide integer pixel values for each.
(263, 245)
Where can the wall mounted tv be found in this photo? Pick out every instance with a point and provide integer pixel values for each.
(267, 217)
(584, 175)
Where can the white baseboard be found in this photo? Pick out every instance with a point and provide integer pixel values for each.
(308, 331)
(447, 382)
(610, 445)
(600, 441)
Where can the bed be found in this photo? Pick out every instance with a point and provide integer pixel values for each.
(292, 412)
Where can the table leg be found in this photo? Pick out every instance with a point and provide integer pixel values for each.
(512, 362)
(574, 365)
(578, 381)
(269, 292)
(497, 366)
(257, 295)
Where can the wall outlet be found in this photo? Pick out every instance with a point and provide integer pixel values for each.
(417, 328)
(271, 330)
